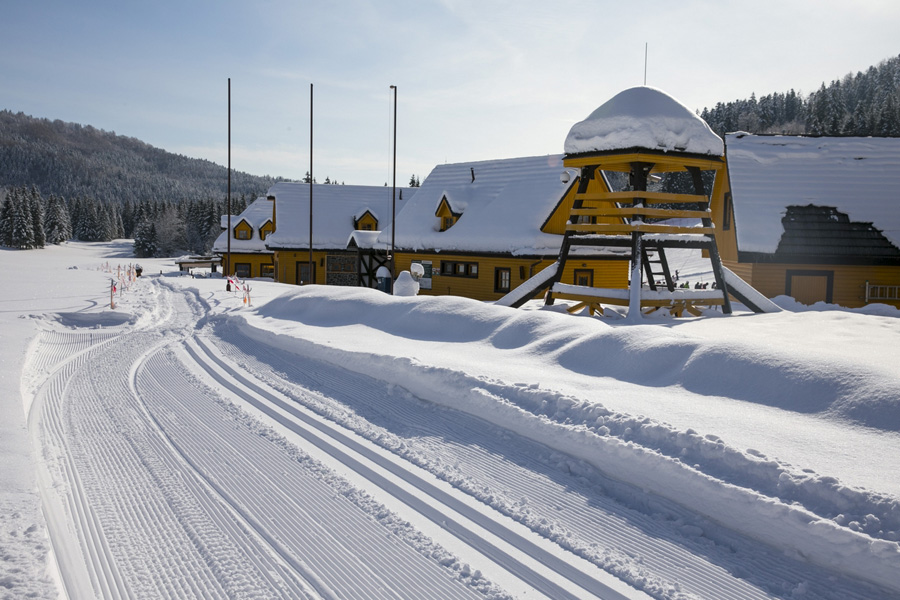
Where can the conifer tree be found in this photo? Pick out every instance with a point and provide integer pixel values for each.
(6, 221)
(58, 226)
(36, 208)
(22, 234)
(145, 241)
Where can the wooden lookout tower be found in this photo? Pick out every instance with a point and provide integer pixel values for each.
(642, 132)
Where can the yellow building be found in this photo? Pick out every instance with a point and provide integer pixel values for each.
(339, 213)
(249, 231)
(480, 229)
(813, 218)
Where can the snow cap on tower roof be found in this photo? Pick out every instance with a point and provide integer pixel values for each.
(643, 117)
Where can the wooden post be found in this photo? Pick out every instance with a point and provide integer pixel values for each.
(639, 173)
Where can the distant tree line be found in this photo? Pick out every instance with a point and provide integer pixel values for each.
(159, 228)
(864, 104)
(75, 161)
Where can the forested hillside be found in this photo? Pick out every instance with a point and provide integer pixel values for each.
(71, 160)
(861, 104)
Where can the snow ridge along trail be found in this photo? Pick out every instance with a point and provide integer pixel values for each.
(655, 545)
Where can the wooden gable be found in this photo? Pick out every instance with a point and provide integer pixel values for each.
(558, 219)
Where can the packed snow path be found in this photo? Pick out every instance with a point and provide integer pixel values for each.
(184, 459)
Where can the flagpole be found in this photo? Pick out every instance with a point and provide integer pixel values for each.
(311, 265)
(228, 203)
(394, 191)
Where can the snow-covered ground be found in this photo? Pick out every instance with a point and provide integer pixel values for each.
(341, 443)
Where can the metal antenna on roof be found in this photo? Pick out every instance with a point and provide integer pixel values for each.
(645, 63)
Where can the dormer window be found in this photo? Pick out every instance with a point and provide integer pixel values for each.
(447, 216)
(367, 221)
(243, 231)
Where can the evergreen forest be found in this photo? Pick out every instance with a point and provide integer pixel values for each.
(159, 228)
(861, 104)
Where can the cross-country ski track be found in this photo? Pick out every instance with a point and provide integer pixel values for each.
(181, 457)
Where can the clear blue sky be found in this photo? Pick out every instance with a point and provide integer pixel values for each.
(477, 79)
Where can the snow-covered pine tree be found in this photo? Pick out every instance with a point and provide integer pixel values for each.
(6, 220)
(145, 242)
(57, 225)
(22, 234)
(36, 207)
(88, 228)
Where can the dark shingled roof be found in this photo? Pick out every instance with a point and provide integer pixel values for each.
(824, 231)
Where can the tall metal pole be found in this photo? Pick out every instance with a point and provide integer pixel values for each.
(394, 191)
(228, 202)
(310, 275)
(645, 62)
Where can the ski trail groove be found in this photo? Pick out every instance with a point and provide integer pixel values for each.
(346, 450)
(664, 548)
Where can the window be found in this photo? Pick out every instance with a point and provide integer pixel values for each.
(502, 280)
(242, 269)
(584, 277)
(447, 223)
(242, 234)
(726, 212)
(267, 271)
(455, 268)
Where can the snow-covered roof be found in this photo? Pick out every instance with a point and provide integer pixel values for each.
(365, 239)
(643, 117)
(502, 209)
(335, 208)
(857, 176)
(256, 215)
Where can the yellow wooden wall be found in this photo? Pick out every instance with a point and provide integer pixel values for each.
(607, 273)
(726, 240)
(255, 260)
(848, 288)
(286, 265)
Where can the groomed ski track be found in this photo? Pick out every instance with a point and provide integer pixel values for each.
(182, 458)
